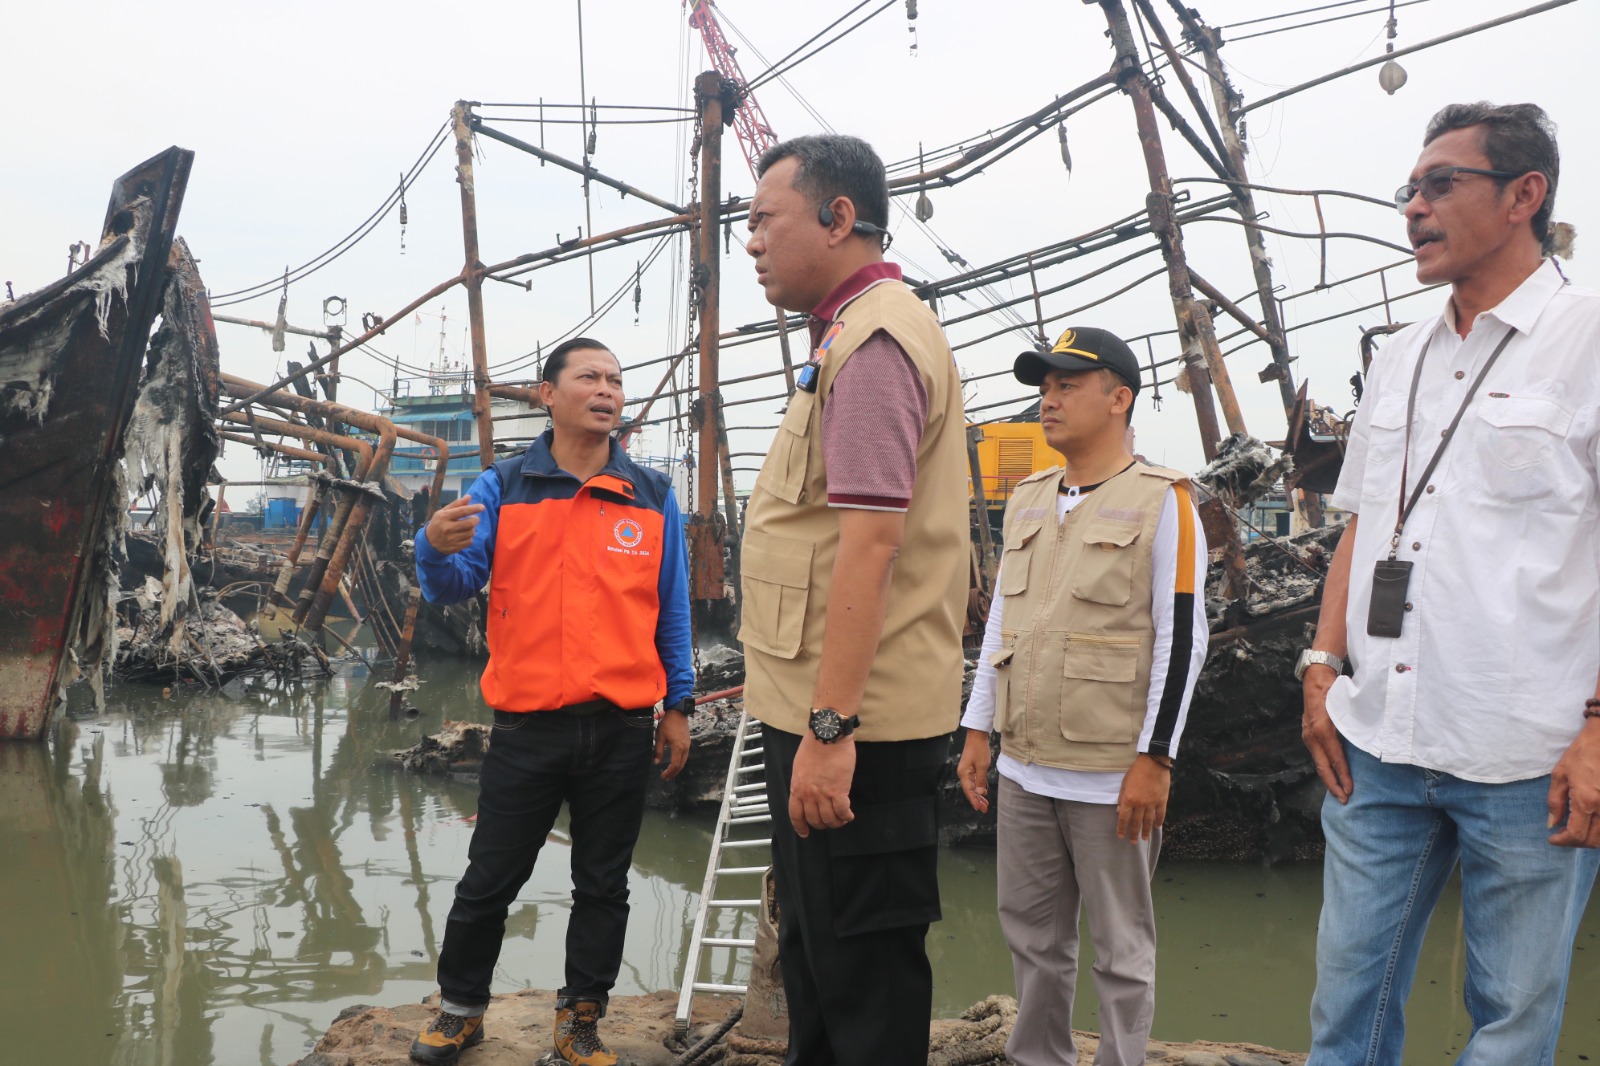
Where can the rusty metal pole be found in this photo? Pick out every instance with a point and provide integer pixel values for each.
(1208, 40)
(1195, 330)
(713, 96)
(980, 499)
(472, 278)
(783, 346)
(708, 92)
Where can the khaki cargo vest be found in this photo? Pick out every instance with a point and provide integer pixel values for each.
(1073, 670)
(791, 537)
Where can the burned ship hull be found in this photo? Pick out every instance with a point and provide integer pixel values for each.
(70, 360)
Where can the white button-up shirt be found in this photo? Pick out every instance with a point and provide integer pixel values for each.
(1500, 643)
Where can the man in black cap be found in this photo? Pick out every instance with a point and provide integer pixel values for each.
(1089, 660)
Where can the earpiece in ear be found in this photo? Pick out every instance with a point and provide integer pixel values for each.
(825, 215)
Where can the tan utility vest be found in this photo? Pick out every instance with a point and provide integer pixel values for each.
(791, 537)
(1073, 671)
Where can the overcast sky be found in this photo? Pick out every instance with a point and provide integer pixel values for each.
(302, 117)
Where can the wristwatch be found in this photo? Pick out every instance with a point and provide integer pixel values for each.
(684, 706)
(827, 726)
(1313, 657)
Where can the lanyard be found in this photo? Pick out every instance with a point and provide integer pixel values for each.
(1405, 506)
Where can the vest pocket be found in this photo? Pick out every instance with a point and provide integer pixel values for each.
(1014, 560)
(1104, 571)
(1097, 689)
(1001, 661)
(784, 472)
(777, 585)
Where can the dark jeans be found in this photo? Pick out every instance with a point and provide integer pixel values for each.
(597, 763)
(854, 907)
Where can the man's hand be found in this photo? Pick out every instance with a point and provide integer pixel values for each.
(1142, 800)
(819, 784)
(452, 526)
(1575, 791)
(672, 733)
(1319, 734)
(973, 770)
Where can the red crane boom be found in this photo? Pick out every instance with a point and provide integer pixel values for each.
(749, 124)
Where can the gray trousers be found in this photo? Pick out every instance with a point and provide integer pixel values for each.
(1054, 854)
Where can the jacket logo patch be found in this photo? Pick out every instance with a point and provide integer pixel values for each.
(628, 533)
(1029, 514)
(1119, 514)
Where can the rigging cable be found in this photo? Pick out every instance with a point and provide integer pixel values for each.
(1332, 18)
(347, 242)
(768, 75)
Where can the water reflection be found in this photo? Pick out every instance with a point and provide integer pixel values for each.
(212, 878)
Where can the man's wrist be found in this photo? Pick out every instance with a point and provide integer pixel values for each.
(1331, 661)
(1163, 761)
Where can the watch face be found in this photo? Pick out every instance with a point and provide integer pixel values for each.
(825, 725)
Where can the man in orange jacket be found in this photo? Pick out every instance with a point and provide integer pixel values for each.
(584, 556)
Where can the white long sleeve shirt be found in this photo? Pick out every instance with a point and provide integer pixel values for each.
(1500, 641)
(1087, 786)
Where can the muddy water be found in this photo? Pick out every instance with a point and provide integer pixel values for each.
(210, 878)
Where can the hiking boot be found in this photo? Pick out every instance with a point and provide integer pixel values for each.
(446, 1037)
(578, 1041)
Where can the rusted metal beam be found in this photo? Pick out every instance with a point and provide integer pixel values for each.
(472, 277)
(1238, 313)
(1199, 339)
(715, 98)
(289, 451)
(341, 513)
(331, 336)
(981, 503)
(333, 554)
(1182, 74)
(402, 658)
(317, 364)
(589, 172)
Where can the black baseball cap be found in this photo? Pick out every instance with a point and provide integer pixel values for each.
(1081, 348)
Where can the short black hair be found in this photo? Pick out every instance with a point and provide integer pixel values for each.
(556, 361)
(1517, 138)
(834, 165)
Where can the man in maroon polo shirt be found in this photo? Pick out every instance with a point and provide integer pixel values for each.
(854, 570)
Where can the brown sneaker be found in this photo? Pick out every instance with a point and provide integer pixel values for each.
(446, 1037)
(578, 1040)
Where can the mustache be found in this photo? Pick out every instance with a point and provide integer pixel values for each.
(1420, 233)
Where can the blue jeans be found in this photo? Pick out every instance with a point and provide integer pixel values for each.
(598, 764)
(1390, 851)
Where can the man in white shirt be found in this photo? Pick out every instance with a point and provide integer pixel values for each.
(1089, 661)
(1465, 597)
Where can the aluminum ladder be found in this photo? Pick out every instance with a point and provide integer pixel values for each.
(744, 804)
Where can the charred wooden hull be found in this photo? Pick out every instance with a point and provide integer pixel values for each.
(70, 358)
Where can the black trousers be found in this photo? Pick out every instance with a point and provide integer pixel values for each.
(597, 764)
(854, 907)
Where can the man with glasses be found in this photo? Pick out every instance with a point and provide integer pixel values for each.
(1464, 598)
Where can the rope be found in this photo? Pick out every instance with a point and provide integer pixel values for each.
(694, 1054)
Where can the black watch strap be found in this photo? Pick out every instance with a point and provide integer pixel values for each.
(684, 706)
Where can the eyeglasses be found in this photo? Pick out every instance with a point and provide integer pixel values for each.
(1437, 183)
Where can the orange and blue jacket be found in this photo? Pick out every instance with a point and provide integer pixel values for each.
(588, 583)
